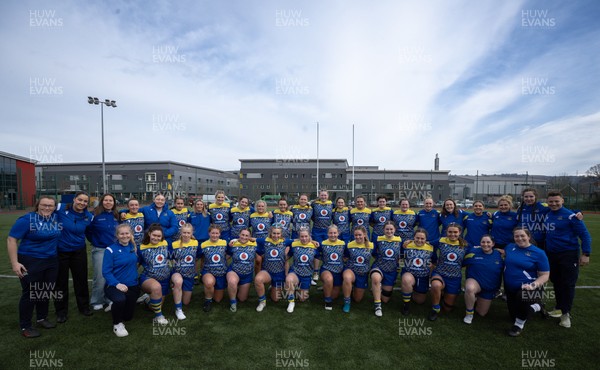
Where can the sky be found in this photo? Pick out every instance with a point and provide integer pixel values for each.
(491, 86)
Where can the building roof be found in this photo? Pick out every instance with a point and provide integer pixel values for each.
(17, 157)
(191, 166)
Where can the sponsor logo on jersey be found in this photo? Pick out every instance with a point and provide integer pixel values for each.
(138, 228)
(403, 224)
(181, 223)
(188, 259)
(360, 259)
(323, 212)
(418, 262)
(382, 219)
(342, 218)
(302, 216)
(282, 222)
(240, 221)
(260, 227)
(334, 256)
(216, 258)
(452, 257)
(304, 258)
(360, 221)
(244, 256)
(219, 217)
(274, 253)
(160, 258)
(389, 252)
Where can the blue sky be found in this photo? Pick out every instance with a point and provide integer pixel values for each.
(494, 86)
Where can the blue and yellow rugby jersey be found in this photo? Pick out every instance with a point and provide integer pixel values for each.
(417, 260)
(359, 257)
(485, 268)
(304, 256)
(360, 217)
(446, 220)
(332, 255)
(242, 257)
(260, 224)
(322, 214)
(154, 258)
(284, 219)
(476, 227)
(379, 216)
(387, 253)
(450, 258)
(240, 219)
(405, 223)
(181, 217)
(274, 254)
(341, 219)
(136, 222)
(183, 256)
(430, 221)
(214, 254)
(302, 216)
(219, 215)
(532, 217)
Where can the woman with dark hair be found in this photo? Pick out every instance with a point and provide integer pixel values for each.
(34, 261)
(451, 214)
(341, 219)
(101, 233)
(72, 255)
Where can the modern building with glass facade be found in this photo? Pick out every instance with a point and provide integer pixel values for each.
(17, 181)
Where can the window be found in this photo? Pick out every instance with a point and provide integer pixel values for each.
(118, 187)
(74, 177)
(274, 176)
(294, 176)
(150, 188)
(328, 175)
(151, 177)
(358, 186)
(116, 177)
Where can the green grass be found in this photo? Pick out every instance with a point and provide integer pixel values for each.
(317, 338)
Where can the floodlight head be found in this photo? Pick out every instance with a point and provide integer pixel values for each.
(96, 101)
(90, 100)
(113, 103)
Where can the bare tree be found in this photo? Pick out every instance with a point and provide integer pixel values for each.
(594, 171)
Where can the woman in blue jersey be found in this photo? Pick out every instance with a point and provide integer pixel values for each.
(34, 261)
(447, 275)
(331, 252)
(153, 256)
(527, 270)
(200, 221)
(341, 219)
(240, 216)
(283, 218)
(183, 257)
(429, 219)
(220, 214)
(181, 215)
(360, 215)
(158, 213)
(385, 268)
(477, 224)
(302, 215)
(119, 268)
(322, 219)
(260, 221)
(356, 270)
(101, 233)
(379, 217)
(483, 277)
(405, 220)
(72, 255)
(241, 269)
(273, 251)
(214, 267)
(451, 214)
(418, 256)
(503, 222)
(135, 219)
(303, 252)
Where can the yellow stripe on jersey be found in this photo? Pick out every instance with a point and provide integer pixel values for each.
(298, 243)
(256, 214)
(297, 206)
(321, 202)
(150, 246)
(343, 209)
(401, 212)
(364, 210)
(178, 244)
(268, 239)
(215, 205)
(424, 247)
(183, 210)
(131, 216)
(247, 244)
(354, 244)
(218, 243)
(445, 240)
(289, 213)
(383, 238)
(335, 243)
(240, 210)
(382, 209)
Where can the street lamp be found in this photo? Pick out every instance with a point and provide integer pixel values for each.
(108, 103)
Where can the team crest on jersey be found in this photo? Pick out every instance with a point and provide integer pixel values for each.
(181, 223)
(304, 258)
(260, 227)
(243, 256)
(360, 221)
(389, 252)
(160, 258)
(302, 216)
(216, 258)
(219, 217)
(323, 212)
(188, 259)
(138, 228)
(452, 257)
(334, 257)
(342, 218)
(360, 259)
(382, 219)
(403, 224)
(418, 262)
(240, 221)
(274, 253)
